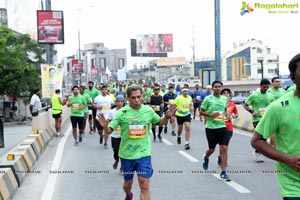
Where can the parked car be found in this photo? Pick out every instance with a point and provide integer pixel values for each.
(238, 99)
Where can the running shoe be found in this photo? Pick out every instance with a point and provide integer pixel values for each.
(173, 133)
(178, 140)
(224, 176)
(166, 130)
(257, 157)
(205, 162)
(76, 143)
(105, 146)
(129, 196)
(115, 165)
(187, 146)
(80, 138)
(219, 161)
(159, 138)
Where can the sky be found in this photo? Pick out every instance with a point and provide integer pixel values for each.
(115, 22)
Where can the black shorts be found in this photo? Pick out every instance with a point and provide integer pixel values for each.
(196, 105)
(217, 136)
(98, 125)
(77, 121)
(56, 116)
(182, 120)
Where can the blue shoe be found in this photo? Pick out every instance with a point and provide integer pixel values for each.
(205, 163)
(76, 143)
(224, 176)
(129, 196)
(159, 139)
(80, 138)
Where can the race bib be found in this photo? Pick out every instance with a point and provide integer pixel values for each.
(220, 117)
(137, 131)
(156, 108)
(118, 129)
(186, 105)
(104, 107)
(261, 111)
(75, 106)
(90, 112)
(171, 101)
(198, 97)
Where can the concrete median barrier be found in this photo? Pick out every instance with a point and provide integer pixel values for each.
(39, 138)
(28, 155)
(33, 142)
(243, 124)
(18, 168)
(8, 183)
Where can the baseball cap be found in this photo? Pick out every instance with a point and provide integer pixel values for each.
(156, 88)
(185, 89)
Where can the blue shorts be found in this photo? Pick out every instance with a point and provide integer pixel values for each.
(142, 167)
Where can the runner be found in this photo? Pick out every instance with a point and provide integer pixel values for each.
(156, 103)
(168, 99)
(77, 104)
(214, 109)
(259, 102)
(102, 103)
(88, 99)
(183, 115)
(197, 100)
(232, 112)
(115, 136)
(282, 119)
(92, 92)
(135, 120)
(57, 105)
(203, 95)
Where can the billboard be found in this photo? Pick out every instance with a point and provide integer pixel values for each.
(170, 61)
(135, 54)
(77, 66)
(154, 43)
(50, 27)
(94, 70)
(52, 77)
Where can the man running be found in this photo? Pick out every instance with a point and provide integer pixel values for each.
(259, 102)
(197, 100)
(135, 120)
(57, 105)
(88, 99)
(214, 109)
(183, 115)
(169, 99)
(203, 95)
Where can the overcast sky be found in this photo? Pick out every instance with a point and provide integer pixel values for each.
(114, 22)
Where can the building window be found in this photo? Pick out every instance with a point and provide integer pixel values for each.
(68, 67)
(93, 62)
(121, 63)
(259, 71)
(271, 71)
(259, 50)
(102, 63)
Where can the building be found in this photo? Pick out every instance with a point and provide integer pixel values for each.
(100, 64)
(250, 60)
(3, 13)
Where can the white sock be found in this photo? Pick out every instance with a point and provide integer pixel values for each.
(186, 142)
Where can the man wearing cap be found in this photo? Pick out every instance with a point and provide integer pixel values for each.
(282, 118)
(102, 103)
(183, 114)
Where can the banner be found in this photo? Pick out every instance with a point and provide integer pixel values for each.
(52, 77)
(50, 27)
(154, 43)
(170, 61)
(94, 70)
(77, 66)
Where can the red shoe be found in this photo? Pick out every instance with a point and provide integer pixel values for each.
(131, 198)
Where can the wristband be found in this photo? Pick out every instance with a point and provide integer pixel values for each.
(250, 111)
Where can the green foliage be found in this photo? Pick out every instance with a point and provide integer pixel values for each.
(19, 74)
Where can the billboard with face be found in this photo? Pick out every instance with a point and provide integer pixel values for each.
(154, 43)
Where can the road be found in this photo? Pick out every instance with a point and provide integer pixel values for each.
(85, 171)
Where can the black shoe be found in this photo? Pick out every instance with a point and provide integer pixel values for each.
(166, 130)
(219, 161)
(80, 138)
(173, 133)
(101, 140)
(178, 140)
(187, 146)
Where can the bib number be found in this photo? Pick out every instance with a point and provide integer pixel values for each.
(137, 131)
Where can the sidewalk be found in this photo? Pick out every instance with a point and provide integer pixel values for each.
(13, 135)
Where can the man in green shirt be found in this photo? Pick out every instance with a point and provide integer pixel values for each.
(77, 104)
(57, 105)
(135, 120)
(282, 118)
(92, 92)
(88, 100)
(259, 102)
(214, 109)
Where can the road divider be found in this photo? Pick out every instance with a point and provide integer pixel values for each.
(243, 124)
(8, 183)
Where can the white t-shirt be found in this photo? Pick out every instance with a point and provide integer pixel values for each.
(36, 103)
(105, 102)
(117, 131)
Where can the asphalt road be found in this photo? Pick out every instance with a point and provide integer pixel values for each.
(85, 172)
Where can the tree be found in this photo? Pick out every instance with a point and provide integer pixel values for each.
(20, 59)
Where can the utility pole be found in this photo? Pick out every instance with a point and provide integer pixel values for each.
(218, 58)
(193, 62)
(48, 50)
(262, 68)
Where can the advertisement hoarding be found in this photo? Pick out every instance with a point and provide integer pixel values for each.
(52, 77)
(50, 27)
(77, 66)
(154, 43)
(170, 61)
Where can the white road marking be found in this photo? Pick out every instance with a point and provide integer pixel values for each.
(188, 156)
(242, 133)
(234, 185)
(50, 185)
(167, 142)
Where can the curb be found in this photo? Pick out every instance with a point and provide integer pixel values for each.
(8, 183)
(243, 124)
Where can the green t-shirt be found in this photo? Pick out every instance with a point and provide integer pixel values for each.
(88, 100)
(147, 94)
(292, 88)
(183, 104)
(76, 102)
(282, 119)
(135, 131)
(259, 103)
(56, 106)
(93, 92)
(276, 93)
(212, 104)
